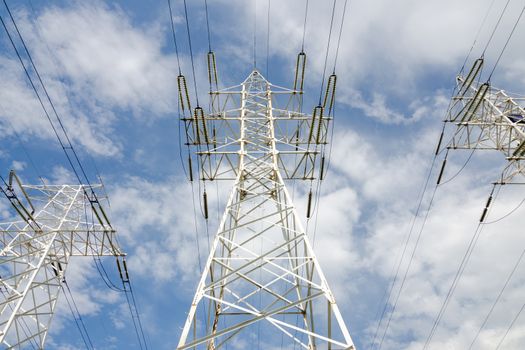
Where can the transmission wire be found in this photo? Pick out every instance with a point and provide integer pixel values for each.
(506, 215)
(320, 99)
(304, 25)
(477, 34)
(405, 246)
(477, 233)
(78, 320)
(26, 152)
(340, 34)
(496, 301)
(174, 36)
(207, 24)
(331, 113)
(191, 53)
(459, 273)
(327, 51)
(426, 183)
(495, 27)
(416, 244)
(507, 42)
(48, 98)
(510, 326)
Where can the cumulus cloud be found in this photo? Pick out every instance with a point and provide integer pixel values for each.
(96, 66)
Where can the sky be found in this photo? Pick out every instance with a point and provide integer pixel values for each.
(111, 68)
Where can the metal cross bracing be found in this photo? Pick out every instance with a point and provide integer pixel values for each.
(57, 222)
(262, 284)
(488, 118)
(297, 135)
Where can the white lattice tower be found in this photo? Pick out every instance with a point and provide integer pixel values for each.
(35, 253)
(262, 285)
(487, 118)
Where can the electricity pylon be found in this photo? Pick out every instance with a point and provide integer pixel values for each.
(56, 222)
(262, 284)
(488, 118)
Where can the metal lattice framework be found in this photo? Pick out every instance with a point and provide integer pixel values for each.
(262, 283)
(35, 253)
(487, 118)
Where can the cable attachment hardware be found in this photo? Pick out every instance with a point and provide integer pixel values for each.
(212, 71)
(468, 111)
(318, 111)
(321, 172)
(300, 67)
(471, 76)
(442, 171)
(199, 115)
(487, 206)
(183, 93)
(329, 96)
(309, 205)
(205, 204)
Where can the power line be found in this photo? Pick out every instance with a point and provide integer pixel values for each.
(405, 247)
(495, 27)
(463, 264)
(510, 326)
(506, 42)
(304, 25)
(340, 34)
(70, 145)
(207, 24)
(477, 34)
(174, 36)
(496, 301)
(77, 317)
(416, 245)
(327, 51)
(191, 53)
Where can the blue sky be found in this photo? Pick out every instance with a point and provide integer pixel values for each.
(111, 71)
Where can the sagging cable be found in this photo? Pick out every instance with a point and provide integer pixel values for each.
(300, 67)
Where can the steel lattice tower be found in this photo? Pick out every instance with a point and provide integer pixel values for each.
(487, 118)
(262, 283)
(36, 250)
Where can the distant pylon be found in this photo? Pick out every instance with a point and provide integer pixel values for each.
(487, 118)
(262, 285)
(56, 222)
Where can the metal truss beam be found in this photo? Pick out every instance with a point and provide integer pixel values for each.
(35, 253)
